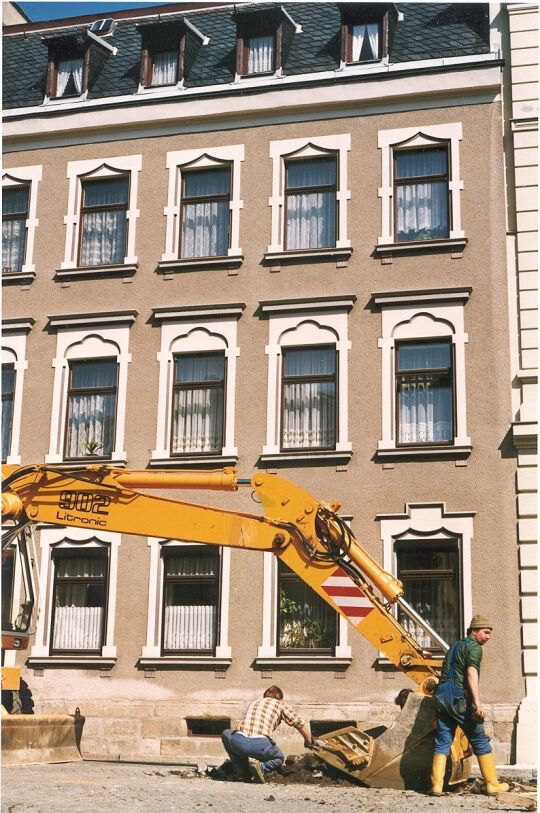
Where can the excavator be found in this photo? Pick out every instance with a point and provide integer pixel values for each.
(307, 534)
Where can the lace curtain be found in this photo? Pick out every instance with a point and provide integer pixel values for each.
(425, 400)
(91, 415)
(76, 624)
(365, 42)
(422, 208)
(66, 69)
(14, 202)
(164, 68)
(309, 407)
(261, 54)
(104, 232)
(311, 216)
(205, 224)
(198, 410)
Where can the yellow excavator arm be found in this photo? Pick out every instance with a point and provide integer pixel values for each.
(305, 533)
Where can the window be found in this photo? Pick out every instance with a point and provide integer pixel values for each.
(102, 217)
(421, 188)
(190, 599)
(430, 573)
(307, 402)
(14, 216)
(263, 40)
(198, 403)
(91, 408)
(196, 399)
(306, 623)
(19, 221)
(309, 196)
(78, 575)
(79, 601)
(188, 604)
(365, 42)
(311, 203)
(421, 181)
(163, 68)
(67, 74)
(169, 50)
(423, 372)
(203, 208)
(8, 392)
(206, 196)
(424, 386)
(309, 395)
(103, 221)
(90, 386)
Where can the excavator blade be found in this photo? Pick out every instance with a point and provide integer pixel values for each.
(29, 739)
(397, 757)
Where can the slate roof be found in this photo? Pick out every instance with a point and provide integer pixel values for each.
(428, 30)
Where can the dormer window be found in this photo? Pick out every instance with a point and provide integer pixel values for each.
(366, 30)
(67, 74)
(168, 52)
(263, 40)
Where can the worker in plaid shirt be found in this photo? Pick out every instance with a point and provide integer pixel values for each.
(250, 747)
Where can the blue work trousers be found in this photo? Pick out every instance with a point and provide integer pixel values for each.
(453, 709)
(240, 748)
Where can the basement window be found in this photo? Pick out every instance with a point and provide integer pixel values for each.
(207, 727)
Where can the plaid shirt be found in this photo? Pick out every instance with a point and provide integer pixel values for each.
(262, 717)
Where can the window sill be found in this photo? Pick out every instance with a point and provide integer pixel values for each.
(420, 246)
(191, 461)
(305, 662)
(307, 255)
(179, 661)
(73, 465)
(85, 661)
(18, 277)
(189, 263)
(427, 451)
(91, 272)
(291, 457)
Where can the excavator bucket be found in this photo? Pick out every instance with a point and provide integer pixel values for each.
(29, 739)
(397, 757)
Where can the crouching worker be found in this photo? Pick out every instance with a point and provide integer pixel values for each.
(457, 702)
(250, 747)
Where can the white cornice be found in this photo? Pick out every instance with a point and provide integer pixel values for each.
(225, 106)
(167, 314)
(386, 298)
(311, 304)
(18, 324)
(75, 320)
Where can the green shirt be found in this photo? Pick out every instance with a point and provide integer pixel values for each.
(468, 653)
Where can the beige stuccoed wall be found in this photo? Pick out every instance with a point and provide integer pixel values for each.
(483, 485)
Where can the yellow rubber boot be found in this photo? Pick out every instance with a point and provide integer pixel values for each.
(489, 772)
(438, 769)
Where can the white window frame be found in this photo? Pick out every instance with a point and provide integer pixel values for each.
(93, 169)
(200, 329)
(431, 520)
(267, 652)
(408, 138)
(32, 175)
(306, 324)
(74, 539)
(151, 652)
(409, 315)
(89, 337)
(313, 147)
(10, 655)
(201, 159)
(14, 334)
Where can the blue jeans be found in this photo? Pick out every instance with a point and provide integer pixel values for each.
(453, 710)
(240, 748)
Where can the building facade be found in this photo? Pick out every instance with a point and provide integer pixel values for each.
(275, 237)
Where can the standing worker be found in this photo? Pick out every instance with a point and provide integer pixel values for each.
(457, 702)
(250, 747)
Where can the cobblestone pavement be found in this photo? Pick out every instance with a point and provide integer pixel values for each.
(98, 787)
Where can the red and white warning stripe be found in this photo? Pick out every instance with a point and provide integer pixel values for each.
(352, 601)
